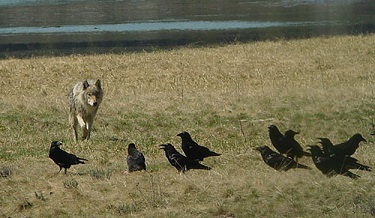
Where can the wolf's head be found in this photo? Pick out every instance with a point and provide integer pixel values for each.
(93, 93)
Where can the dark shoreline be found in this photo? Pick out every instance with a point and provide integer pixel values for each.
(67, 44)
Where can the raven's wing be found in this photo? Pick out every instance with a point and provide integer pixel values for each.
(136, 162)
(177, 160)
(279, 162)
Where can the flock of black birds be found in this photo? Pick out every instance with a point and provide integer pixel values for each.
(136, 160)
(331, 160)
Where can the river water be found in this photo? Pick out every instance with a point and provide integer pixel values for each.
(117, 25)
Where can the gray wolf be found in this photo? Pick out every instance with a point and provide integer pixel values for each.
(84, 100)
(62, 158)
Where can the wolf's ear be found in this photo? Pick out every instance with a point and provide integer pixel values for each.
(97, 83)
(85, 85)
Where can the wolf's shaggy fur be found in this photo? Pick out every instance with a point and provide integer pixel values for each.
(84, 100)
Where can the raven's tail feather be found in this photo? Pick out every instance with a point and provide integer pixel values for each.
(303, 166)
(197, 165)
(80, 160)
(351, 175)
(215, 154)
(363, 167)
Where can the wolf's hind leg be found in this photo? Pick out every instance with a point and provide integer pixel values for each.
(75, 133)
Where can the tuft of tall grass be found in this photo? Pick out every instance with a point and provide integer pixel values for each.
(6, 171)
(100, 173)
(70, 183)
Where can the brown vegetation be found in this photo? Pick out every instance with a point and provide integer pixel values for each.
(226, 97)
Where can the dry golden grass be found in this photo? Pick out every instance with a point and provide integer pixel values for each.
(224, 96)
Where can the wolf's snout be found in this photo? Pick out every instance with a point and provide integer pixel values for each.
(95, 104)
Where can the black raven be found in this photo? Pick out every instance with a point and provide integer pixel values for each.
(350, 146)
(275, 137)
(331, 165)
(286, 144)
(192, 150)
(278, 161)
(62, 158)
(296, 149)
(179, 161)
(350, 162)
(135, 159)
(345, 148)
(328, 147)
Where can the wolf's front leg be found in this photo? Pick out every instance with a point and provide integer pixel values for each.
(82, 124)
(89, 127)
(85, 133)
(88, 130)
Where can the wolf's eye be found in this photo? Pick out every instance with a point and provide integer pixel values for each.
(89, 94)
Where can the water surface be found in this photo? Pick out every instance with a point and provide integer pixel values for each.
(66, 24)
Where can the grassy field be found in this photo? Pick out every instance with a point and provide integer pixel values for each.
(225, 96)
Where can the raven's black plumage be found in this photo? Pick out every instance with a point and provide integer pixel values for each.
(192, 150)
(179, 161)
(275, 136)
(288, 140)
(278, 161)
(350, 146)
(135, 159)
(329, 148)
(331, 165)
(286, 144)
(350, 162)
(62, 158)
